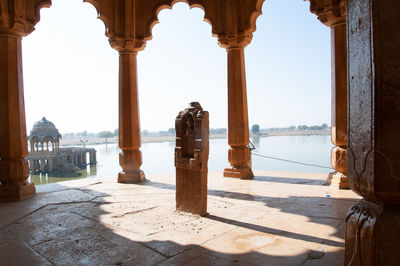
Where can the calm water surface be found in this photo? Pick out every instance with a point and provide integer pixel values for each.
(159, 157)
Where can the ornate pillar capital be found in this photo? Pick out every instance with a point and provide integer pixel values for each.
(19, 17)
(235, 41)
(329, 12)
(127, 45)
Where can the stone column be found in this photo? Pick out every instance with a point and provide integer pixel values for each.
(333, 15)
(14, 169)
(92, 157)
(51, 163)
(239, 155)
(373, 224)
(36, 166)
(130, 157)
(339, 104)
(42, 165)
(84, 159)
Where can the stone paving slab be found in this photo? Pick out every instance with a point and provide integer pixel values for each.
(276, 219)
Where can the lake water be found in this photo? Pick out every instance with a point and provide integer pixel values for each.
(159, 157)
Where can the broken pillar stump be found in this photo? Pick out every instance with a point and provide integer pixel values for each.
(191, 158)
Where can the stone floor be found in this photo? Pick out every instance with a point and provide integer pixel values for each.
(276, 219)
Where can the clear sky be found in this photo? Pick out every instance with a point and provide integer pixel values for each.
(71, 72)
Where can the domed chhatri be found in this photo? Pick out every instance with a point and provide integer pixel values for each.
(53, 159)
(44, 131)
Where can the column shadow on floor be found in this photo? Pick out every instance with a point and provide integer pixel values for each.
(74, 233)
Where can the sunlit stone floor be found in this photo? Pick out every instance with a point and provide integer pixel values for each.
(276, 219)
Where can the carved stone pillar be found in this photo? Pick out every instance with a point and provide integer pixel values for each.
(373, 225)
(239, 155)
(333, 14)
(130, 157)
(191, 158)
(14, 169)
(339, 105)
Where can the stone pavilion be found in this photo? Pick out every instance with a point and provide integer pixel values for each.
(53, 159)
(365, 113)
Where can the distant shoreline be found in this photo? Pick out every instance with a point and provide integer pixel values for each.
(158, 139)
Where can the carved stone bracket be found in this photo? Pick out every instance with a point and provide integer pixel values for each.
(329, 12)
(19, 17)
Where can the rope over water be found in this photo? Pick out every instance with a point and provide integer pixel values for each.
(290, 161)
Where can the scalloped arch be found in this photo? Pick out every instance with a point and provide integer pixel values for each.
(254, 16)
(100, 15)
(39, 5)
(169, 5)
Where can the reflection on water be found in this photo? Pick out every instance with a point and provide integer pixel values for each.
(159, 157)
(255, 141)
(39, 179)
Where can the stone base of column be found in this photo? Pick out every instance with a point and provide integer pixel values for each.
(337, 180)
(133, 177)
(372, 234)
(242, 173)
(17, 192)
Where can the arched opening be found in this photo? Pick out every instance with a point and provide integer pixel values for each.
(181, 64)
(70, 74)
(76, 66)
(182, 79)
(288, 67)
